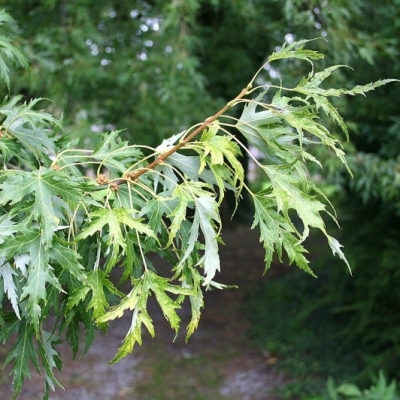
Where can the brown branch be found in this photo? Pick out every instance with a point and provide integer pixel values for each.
(187, 139)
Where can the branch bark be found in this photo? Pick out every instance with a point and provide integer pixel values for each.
(162, 157)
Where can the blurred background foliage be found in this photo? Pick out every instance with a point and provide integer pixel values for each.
(155, 67)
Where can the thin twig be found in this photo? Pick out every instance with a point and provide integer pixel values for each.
(187, 139)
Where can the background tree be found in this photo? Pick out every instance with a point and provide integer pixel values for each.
(358, 316)
(154, 67)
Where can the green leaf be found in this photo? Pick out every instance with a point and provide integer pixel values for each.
(252, 121)
(114, 220)
(206, 214)
(165, 176)
(48, 188)
(9, 326)
(133, 262)
(30, 127)
(156, 208)
(20, 244)
(50, 358)
(22, 354)
(192, 280)
(79, 328)
(265, 129)
(7, 226)
(136, 301)
(331, 389)
(190, 166)
(285, 189)
(68, 258)
(362, 89)
(7, 281)
(168, 306)
(336, 249)
(40, 275)
(8, 52)
(115, 154)
(196, 304)
(168, 143)
(212, 146)
(310, 87)
(348, 389)
(130, 301)
(178, 215)
(77, 296)
(288, 196)
(296, 50)
(98, 282)
(220, 154)
(133, 336)
(278, 233)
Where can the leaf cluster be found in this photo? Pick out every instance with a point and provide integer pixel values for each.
(72, 218)
(381, 389)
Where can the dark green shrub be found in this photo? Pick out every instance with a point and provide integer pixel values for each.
(337, 325)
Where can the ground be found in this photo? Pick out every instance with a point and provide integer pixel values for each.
(219, 361)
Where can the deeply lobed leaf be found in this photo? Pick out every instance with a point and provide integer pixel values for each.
(69, 217)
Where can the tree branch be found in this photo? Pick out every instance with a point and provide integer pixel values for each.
(162, 157)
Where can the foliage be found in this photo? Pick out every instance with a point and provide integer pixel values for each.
(367, 302)
(381, 390)
(155, 65)
(71, 218)
(289, 323)
(346, 327)
(371, 49)
(362, 312)
(107, 64)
